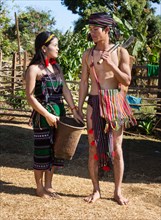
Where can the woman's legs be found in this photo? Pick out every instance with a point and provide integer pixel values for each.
(48, 183)
(48, 179)
(40, 191)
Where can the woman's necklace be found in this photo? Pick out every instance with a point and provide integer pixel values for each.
(58, 80)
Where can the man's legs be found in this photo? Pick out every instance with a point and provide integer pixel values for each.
(92, 162)
(118, 166)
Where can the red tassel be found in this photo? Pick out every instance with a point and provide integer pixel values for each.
(106, 168)
(46, 62)
(90, 131)
(93, 143)
(52, 61)
(96, 157)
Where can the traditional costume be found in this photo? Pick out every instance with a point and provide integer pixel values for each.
(110, 108)
(48, 91)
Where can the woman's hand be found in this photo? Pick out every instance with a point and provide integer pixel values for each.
(80, 112)
(77, 116)
(52, 119)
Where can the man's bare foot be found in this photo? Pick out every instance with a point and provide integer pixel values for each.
(52, 193)
(93, 197)
(42, 193)
(121, 200)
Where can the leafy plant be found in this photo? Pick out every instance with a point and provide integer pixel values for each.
(146, 125)
(72, 46)
(18, 101)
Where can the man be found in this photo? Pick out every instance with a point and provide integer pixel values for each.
(107, 71)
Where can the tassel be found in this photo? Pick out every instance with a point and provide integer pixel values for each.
(52, 61)
(106, 168)
(93, 143)
(90, 131)
(46, 62)
(96, 157)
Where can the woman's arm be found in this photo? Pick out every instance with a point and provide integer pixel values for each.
(69, 99)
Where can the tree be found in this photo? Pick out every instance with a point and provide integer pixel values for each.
(31, 22)
(5, 44)
(80, 7)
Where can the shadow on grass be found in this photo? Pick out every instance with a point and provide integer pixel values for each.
(7, 187)
(142, 157)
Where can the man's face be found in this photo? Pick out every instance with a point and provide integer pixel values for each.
(97, 33)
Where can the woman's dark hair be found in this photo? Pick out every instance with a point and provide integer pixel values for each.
(40, 40)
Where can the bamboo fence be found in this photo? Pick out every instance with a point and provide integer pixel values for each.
(14, 107)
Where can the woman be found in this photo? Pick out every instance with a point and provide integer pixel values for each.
(45, 86)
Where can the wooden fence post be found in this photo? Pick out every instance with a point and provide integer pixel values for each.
(25, 62)
(13, 73)
(18, 37)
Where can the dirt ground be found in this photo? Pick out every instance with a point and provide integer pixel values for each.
(141, 183)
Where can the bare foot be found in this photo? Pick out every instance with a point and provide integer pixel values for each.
(121, 200)
(93, 197)
(52, 193)
(42, 193)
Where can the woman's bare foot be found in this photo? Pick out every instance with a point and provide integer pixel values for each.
(121, 200)
(52, 193)
(93, 197)
(42, 193)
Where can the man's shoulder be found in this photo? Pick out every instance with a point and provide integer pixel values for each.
(123, 50)
(87, 52)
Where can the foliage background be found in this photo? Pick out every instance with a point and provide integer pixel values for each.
(135, 18)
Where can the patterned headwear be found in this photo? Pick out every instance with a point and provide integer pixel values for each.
(101, 19)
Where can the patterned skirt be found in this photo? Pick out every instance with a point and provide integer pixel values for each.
(101, 138)
(103, 129)
(44, 137)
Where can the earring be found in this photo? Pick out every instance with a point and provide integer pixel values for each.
(46, 62)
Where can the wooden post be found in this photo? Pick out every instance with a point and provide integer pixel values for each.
(25, 62)
(18, 37)
(24, 69)
(13, 73)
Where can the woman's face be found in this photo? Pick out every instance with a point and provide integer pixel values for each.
(52, 49)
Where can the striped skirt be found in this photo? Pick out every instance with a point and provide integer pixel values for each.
(44, 137)
(101, 138)
(115, 108)
(117, 114)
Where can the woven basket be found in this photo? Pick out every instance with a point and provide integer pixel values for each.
(68, 134)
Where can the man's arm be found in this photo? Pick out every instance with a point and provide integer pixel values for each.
(125, 76)
(83, 85)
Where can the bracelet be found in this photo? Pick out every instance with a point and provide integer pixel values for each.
(75, 107)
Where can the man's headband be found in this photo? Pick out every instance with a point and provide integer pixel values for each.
(101, 19)
(49, 38)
